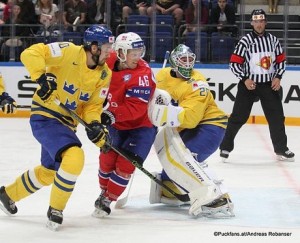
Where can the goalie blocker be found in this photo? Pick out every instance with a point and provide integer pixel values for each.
(161, 112)
(187, 175)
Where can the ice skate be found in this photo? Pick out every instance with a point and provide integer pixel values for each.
(102, 208)
(55, 219)
(6, 204)
(224, 154)
(286, 156)
(219, 208)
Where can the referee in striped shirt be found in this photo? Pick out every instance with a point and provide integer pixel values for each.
(258, 61)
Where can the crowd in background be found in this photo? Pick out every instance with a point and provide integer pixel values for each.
(55, 17)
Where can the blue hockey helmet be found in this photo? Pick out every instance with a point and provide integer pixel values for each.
(97, 34)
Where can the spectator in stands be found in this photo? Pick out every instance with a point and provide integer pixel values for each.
(2, 6)
(191, 16)
(27, 14)
(13, 19)
(7, 10)
(47, 13)
(96, 12)
(273, 6)
(16, 41)
(74, 9)
(168, 7)
(134, 7)
(223, 14)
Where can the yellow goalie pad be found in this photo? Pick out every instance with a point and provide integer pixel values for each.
(182, 168)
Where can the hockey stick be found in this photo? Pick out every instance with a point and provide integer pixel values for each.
(20, 106)
(122, 201)
(167, 54)
(132, 159)
(23, 106)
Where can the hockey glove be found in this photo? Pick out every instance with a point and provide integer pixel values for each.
(7, 103)
(47, 92)
(166, 115)
(97, 133)
(107, 118)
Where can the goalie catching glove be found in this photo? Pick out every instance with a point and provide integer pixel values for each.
(48, 84)
(97, 133)
(7, 103)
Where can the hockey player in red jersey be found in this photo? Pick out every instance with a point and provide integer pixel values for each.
(132, 86)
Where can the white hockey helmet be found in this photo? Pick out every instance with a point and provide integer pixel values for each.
(128, 41)
(182, 59)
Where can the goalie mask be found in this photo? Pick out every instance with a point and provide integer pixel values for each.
(129, 41)
(182, 59)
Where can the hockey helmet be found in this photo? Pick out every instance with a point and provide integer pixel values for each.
(258, 14)
(97, 34)
(182, 59)
(128, 41)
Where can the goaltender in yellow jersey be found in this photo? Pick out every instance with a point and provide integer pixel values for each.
(191, 109)
(194, 96)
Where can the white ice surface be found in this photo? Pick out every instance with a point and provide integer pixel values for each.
(266, 195)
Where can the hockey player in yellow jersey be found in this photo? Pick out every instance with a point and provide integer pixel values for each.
(7, 103)
(192, 113)
(79, 78)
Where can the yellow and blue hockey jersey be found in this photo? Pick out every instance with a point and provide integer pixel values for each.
(194, 97)
(81, 89)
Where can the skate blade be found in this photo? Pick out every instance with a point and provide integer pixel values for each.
(5, 210)
(99, 213)
(52, 225)
(282, 158)
(218, 213)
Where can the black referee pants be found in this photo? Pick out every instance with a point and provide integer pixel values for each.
(273, 110)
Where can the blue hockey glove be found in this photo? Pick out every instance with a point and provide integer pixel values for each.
(7, 103)
(48, 84)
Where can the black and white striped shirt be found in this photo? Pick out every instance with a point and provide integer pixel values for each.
(259, 58)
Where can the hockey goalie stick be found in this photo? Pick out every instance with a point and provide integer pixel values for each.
(167, 54)
(132, 159)
(122, 201)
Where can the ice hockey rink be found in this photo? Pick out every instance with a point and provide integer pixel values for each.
(265, 192)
